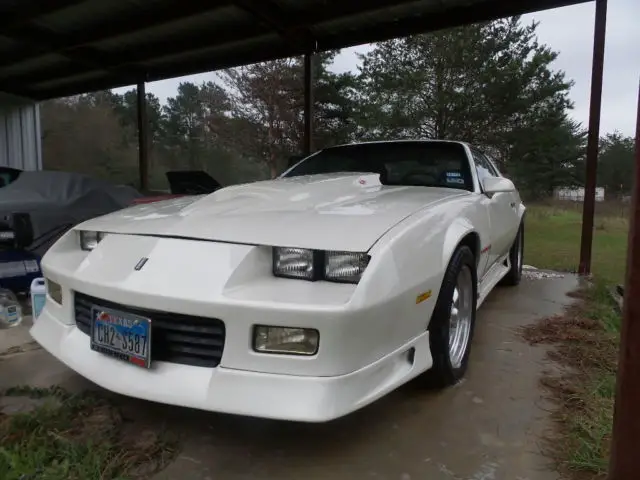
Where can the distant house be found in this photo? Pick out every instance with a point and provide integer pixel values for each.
(576, 194)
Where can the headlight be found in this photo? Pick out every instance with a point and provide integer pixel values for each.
(294, 263)
(90, 240)
(343, 267)
(285, 340)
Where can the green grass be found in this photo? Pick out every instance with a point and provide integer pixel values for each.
(75, 437)
(553, 239)
(590, 427)
(586, 345)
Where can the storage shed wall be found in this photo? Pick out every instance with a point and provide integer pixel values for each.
(20, 142)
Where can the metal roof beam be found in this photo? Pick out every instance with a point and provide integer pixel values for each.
(275, 18)
(300, 27)
(134, 22)
(94, 85)
(170, 70)
(326, 24)
(296, 29)
(132, 58)
(479, 11)
(16, 89)
(14, 16)
(89, 58)
(292, 28)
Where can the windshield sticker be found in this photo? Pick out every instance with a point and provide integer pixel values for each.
(457, 181)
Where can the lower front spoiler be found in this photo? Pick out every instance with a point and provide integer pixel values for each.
(240, 392)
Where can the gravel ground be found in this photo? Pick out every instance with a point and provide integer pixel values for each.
(533, 273)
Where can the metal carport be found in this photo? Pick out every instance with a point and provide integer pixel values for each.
(55, 48)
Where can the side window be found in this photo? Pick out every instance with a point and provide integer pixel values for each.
(483, 166)
(492, 166)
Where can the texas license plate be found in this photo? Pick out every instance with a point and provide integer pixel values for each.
(121, 335)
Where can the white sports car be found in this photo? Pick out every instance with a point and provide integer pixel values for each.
(302, 298)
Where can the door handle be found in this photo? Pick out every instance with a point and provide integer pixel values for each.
(513, 204)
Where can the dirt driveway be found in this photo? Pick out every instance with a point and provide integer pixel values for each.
(486, 428)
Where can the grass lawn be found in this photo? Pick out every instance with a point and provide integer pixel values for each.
(586, 337)
(76, 437)
(585, 341)
(553, 239)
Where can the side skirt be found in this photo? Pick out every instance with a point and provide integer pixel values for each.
(492, 278)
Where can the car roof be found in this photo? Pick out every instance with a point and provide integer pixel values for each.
(381, 142)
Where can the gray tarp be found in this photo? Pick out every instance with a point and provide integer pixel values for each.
(58, 199)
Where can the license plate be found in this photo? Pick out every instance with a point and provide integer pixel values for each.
(121, 335)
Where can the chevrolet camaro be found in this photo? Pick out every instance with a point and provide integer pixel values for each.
(301, 298)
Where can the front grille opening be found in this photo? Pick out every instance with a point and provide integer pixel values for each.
(175, 338)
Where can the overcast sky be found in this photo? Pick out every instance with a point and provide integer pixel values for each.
(569, 31)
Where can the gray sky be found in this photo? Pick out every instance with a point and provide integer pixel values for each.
(569, 31)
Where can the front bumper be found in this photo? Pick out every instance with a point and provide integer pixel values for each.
(227, 390)
(367, 333)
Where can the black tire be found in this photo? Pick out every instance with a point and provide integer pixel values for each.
(513, 277)
(443, 373)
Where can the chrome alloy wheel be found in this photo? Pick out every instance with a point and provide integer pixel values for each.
(460, 318)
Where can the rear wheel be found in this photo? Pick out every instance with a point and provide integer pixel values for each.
(516, 255)
(453, 320)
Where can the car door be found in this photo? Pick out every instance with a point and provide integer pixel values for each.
(503, 210)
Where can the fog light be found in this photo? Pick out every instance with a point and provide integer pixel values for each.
(285, 340)
(54, 290)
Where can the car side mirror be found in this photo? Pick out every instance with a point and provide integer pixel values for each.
(492, 185)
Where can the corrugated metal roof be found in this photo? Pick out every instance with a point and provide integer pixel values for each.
(63, 47)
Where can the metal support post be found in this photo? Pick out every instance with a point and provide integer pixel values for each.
(308, 103)
(143, 137)
(625, 461)
(589, 205)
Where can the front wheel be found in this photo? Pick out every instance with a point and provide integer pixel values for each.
(453, 320)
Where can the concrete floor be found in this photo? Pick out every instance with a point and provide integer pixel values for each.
(486, 428)
(16, 338)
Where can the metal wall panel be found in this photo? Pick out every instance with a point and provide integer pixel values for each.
(20, 142)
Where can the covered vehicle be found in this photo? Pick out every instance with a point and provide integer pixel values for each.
(55, 201)
(301, 298)
(184, 182)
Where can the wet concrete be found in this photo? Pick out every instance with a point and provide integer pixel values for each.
(17, 337)
(486, 428)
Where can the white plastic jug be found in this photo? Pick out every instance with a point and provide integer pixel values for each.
(38, 296)
(10, 310)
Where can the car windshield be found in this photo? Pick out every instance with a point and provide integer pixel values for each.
(424, 164)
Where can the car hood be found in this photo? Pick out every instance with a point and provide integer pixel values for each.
(331, 212)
